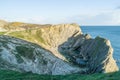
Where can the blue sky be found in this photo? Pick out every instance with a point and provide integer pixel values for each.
(83, 12)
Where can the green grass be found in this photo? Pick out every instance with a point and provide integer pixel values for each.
(1, 33)
(12, 75)
(30, 35)
(25, 51)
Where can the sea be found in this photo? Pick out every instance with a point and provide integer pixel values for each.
(109, 32)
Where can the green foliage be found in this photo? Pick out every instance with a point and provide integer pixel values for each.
(1, 33)
(39, 36)
(25, 51)
(13, 75)
(17, 34)
(19, 59)
(30, 35)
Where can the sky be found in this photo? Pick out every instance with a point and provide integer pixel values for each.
(83, 12)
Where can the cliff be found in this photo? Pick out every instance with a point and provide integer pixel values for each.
(54, 49)
(23, 56)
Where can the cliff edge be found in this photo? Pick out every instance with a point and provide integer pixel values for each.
(54, 49)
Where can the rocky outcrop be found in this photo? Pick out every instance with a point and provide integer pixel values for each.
(63, 49)
(48, 36)
(94, 54)
(23, 56)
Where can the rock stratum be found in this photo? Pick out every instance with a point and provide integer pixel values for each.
(53, 49)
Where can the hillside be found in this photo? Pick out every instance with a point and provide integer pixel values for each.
(53, 49)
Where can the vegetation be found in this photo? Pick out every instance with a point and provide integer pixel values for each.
(19, 59)
(13, 75)
(1, 33)
(31, 35)
(39, 36)
(17, 34)
(25, 51)
(16, 24)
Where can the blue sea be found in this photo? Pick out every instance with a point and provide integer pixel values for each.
(109, 32)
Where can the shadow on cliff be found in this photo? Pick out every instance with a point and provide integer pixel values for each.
(89, 53)
(71, 50)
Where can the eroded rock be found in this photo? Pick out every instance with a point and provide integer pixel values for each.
(60, 49)
(94, 54)
(23, 56)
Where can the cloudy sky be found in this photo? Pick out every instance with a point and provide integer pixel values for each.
(83, 12)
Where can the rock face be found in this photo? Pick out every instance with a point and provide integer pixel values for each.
(23, 56)
(94, 54)
(54, 49)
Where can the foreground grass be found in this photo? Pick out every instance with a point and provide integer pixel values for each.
(12, 75)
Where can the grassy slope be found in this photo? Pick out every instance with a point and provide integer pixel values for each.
(12, 75)
(30, 35)
(1, 33)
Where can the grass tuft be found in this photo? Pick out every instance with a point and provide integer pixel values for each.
(13, 75)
